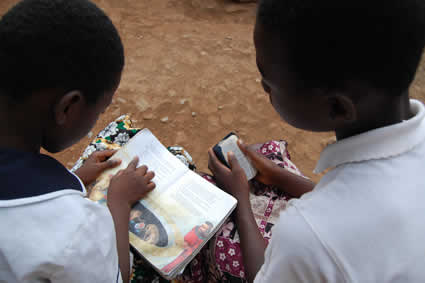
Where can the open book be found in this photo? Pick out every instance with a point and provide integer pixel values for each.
(174, 221)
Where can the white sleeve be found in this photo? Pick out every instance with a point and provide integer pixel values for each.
(92, 254)
(295, 254)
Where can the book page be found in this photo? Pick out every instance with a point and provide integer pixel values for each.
(154, 155)
(189, 213)
(230, 144)
(201, 198)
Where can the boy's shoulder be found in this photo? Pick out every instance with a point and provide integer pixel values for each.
(65, 235)
(43, 199)
(46, 215)
(382, 145)
(46, 206)
(41, 196)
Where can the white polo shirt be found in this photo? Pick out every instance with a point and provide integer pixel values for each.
(49, 231)
(364, 221)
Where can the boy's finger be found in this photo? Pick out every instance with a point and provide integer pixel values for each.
(247, 151)
(210, 166)
(213, 161)
(142, 170)
(233, 162)
(111, 163)
(109, 152)
(250, 153)
(133, 164)
(149, 175)
(104, 154)
(215, 165)
(241, 145)
(151, 186)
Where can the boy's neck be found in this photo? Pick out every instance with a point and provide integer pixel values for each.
(380, 113)
(23, 125)
(17, 143)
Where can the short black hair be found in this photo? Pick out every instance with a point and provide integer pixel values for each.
(332, 42)
(58, 44)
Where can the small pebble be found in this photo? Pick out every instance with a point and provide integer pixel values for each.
(258, 80)
(148, 117)
(220, 107)
(164, 120)
(121, 100)
(90, 134)
(193, 114)
(235, 8)
(182, 101)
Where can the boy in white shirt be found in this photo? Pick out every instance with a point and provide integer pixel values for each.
(61, 62)
(342, 66)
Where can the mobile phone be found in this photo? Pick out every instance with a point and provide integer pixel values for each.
(229, 143)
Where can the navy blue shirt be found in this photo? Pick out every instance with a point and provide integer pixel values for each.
(26, 174)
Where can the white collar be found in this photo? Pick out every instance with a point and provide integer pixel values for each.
(376, 144)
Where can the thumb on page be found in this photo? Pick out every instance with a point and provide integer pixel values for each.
(133, 164)
(256, 158)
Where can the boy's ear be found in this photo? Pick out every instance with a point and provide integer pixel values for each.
(342, 108)
(68, 105)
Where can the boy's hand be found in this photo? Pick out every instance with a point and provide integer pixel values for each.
(95, 165)
(232, 180)
(267, 169)
(130, 185)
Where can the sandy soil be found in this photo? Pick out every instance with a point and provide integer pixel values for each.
(193, 61)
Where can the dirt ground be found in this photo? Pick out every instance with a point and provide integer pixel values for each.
(193, 61)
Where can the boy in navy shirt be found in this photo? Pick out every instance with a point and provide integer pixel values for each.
(61, 62)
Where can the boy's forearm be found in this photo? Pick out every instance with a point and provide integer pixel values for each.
(291, 183)
(253, 245)
(120, 215)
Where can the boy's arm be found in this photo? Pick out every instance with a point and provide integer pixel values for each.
(234, 181)
(120, 215)
(271, 174)
(252, 242)
(289, 182)
(127, 187)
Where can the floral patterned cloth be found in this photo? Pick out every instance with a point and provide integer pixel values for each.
(221, 259)
(115, 135)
